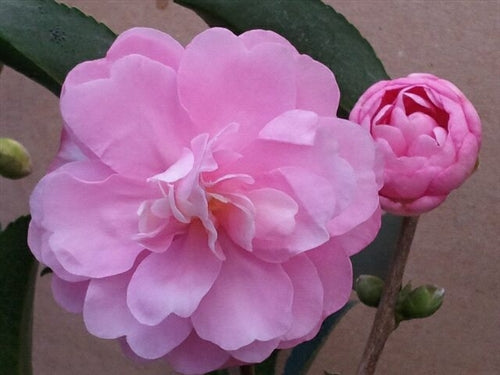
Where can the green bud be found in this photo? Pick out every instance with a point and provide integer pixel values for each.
(15, 161)
(369, 289)
(421, 302)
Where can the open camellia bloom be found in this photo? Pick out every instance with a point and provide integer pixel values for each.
(205, 200)
(430, 135)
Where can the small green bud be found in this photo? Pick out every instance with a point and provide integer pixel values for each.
(421, 302)
(369, 289)
(15, 160)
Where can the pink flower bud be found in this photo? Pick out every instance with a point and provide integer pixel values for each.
(429, 134)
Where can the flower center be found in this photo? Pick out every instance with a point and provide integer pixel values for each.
(188, 194)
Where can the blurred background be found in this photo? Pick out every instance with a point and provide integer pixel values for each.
(456, 246)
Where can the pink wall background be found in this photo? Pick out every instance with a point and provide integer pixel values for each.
(456, 246)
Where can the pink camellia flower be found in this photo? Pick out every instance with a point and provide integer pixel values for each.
(430, 136)
(205, 201)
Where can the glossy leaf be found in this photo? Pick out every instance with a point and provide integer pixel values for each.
(17, 284)
(313, 27)
(44, 40)
(303, 355)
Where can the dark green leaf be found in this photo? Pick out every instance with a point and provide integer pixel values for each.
(267, 367)
(303, 355)
(219, 372)
(44, 40)
(313, 27)
(17, 284)
(375, 258)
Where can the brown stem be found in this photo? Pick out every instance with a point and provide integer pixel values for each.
(247, 370)
(385, 318)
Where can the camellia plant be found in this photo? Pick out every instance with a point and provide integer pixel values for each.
(209, 203)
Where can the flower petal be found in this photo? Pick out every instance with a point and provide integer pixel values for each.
(317, 89)
(98, 241)
(250, 300)
(196, 356)
(105, 310)
(307, 308)
(296, 127)
(151, 43)
(153, 342)
(69, 295)
(274, 212)
(128, 119)
(249, 87)
(174, 281)
(257, 351)
(335, 271)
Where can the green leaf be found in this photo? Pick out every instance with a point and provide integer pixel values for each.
(17, 285)
(303, 355)
(376, 257)
(44, 40)
(313, 27)
(219, 372)
(268, 366)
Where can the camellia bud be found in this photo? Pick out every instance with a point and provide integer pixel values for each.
(369, 289)
(15, 160)
(421, 302)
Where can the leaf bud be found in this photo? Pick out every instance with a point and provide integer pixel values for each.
(369, 289)
(421, 302)
(15, 160)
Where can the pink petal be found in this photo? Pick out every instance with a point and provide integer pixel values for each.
(69, 295)
(147, 42)
(38, 242)
(86, 71)
(237, 217)
(105, 311)
(406, 184)
(296, 127)
(92, 219)
(307, 308)
(423, 145)
(301, 180)
(249, 87)
(357, 238)
(250, 300)
(274, 212)
(335, 271)
(153, 342)
(174, 281)
(253, 38)
(393, 136)
(196, 356)
(317, 89)
(411, 208)
(360, 180)
(128, 119)
(69, 151)
(255, 352)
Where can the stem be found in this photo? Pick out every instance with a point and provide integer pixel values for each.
(247, 370)
(385, 318)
